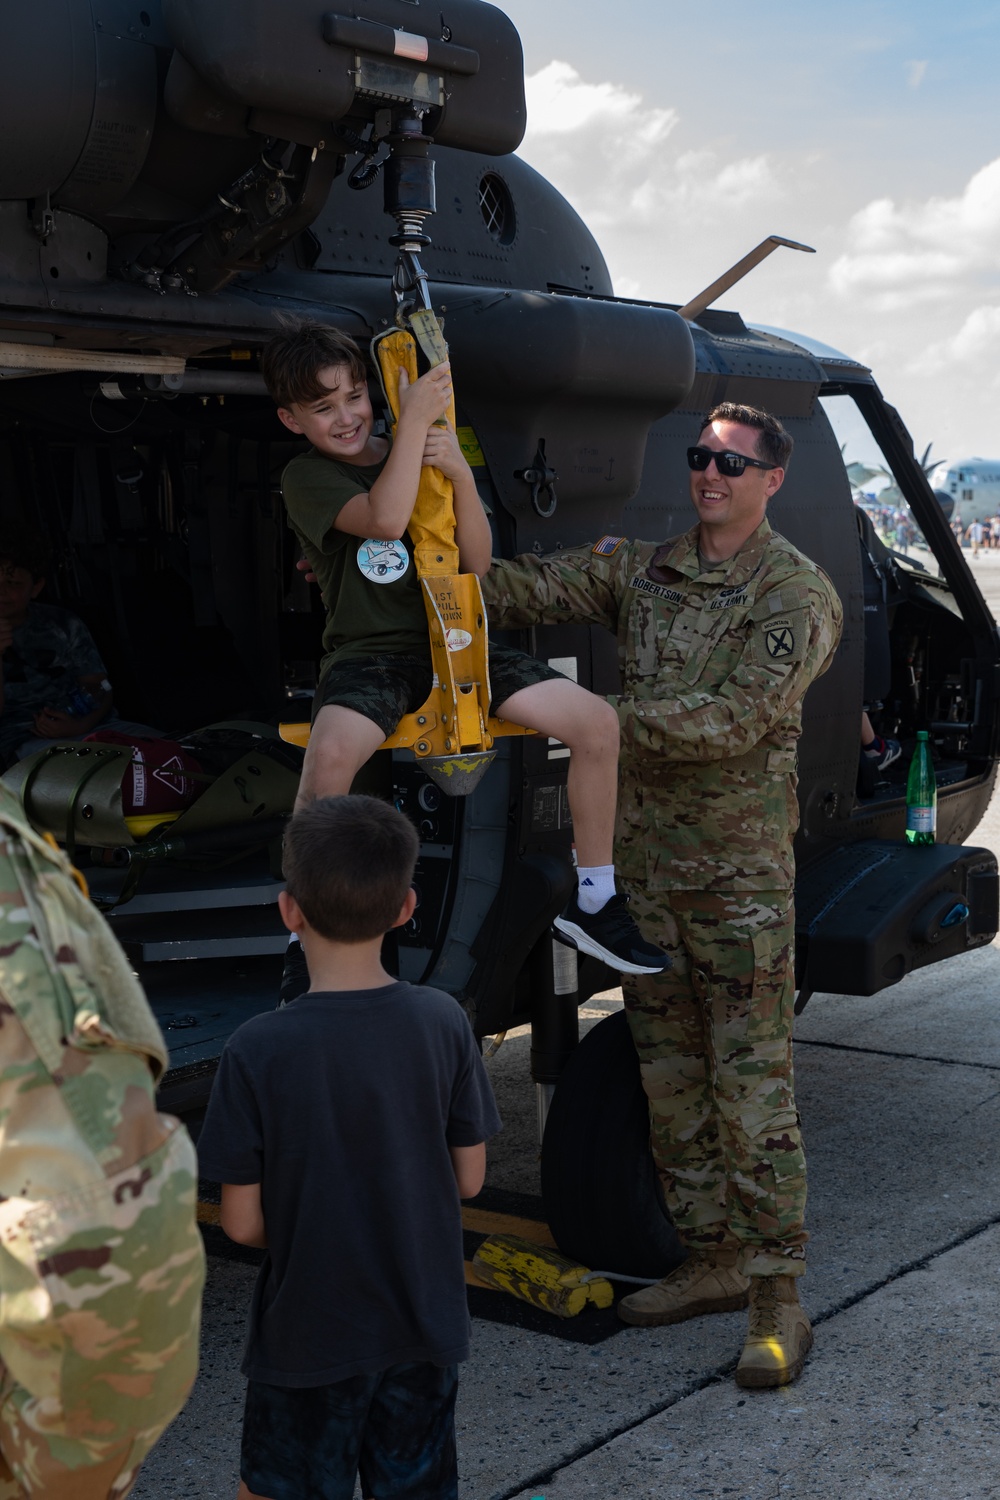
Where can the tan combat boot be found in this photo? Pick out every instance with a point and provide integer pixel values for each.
(707, 1282)
(780, 1334)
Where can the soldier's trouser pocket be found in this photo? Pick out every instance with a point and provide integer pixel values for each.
(771, 1012)
(100, 1293)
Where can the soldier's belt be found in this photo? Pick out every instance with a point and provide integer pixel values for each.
(761, 760)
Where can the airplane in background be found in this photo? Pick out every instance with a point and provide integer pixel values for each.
(861, 476)
(973, 486)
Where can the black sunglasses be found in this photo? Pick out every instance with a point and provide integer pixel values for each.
(730, 465)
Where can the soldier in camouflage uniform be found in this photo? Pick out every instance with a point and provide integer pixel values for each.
(720, 633)
(101, 1263)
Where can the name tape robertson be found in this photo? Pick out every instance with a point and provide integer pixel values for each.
(727, 599)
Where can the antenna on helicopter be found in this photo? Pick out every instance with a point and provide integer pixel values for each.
(693, 309)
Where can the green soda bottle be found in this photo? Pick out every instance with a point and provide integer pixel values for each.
(921, 794)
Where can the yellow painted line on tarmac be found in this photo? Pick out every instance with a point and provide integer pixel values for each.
(479, 1220)
(483, 1221)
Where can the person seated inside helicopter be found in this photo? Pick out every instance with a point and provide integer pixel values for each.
(349, 500)
(53, 684)
(879, 750)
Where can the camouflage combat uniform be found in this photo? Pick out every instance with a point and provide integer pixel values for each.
(101, 1263)
(715, 660)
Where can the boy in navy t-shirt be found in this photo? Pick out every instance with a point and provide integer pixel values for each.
(345, 1129)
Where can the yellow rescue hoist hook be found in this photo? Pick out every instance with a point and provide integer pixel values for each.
(452, 734)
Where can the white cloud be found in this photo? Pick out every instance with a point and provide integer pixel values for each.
(559, 101)
(975, 347)
(607, 150)
(911, 285)
(899, 255)
(915, 73)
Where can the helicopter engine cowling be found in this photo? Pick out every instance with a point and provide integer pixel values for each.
(133, 117)
(77, 104)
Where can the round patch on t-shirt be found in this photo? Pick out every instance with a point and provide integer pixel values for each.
(383, 562)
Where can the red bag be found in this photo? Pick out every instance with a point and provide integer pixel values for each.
(163, 776)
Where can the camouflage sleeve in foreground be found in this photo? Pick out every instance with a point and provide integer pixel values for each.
(101, 1263)
(783, 653)
(577, 585)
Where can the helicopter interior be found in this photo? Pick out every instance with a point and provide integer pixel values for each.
(164, 523)
(918, 659)
(164, 520)
(919, 656)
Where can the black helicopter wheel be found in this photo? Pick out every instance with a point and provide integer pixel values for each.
(599, 1187)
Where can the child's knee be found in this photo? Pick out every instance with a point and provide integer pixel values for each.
(597, 728)
(326, 746)
(334, 755)
(605, 722)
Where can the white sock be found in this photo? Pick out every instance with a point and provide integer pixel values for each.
(596, 886)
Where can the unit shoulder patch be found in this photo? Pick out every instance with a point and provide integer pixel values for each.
(779, 639)
(608, 545)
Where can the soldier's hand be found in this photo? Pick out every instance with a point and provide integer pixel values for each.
(304, 566)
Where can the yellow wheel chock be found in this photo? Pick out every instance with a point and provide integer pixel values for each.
(452, 734)
(540, 1276)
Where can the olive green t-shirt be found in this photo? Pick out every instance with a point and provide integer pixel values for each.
(374, 604)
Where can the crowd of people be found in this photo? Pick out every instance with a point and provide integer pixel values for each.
(977, 534)
(347, 1125)
(899, 531)
(894, 524)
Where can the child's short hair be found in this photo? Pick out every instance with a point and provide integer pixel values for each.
(20, 547)
(348, 862)
(292, 361)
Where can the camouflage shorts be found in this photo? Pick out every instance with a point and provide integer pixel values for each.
(384, 688)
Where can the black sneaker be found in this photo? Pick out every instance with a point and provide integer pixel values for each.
(610, 935)
(294, 976)
(882, 752)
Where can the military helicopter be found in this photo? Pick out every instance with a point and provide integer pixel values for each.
(175, 179)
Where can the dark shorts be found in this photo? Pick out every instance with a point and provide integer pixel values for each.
(384, 688)
(395, 1428)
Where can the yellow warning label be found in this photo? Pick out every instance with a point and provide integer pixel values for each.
(469, 444)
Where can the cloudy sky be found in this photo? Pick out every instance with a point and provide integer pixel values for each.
(869, 129)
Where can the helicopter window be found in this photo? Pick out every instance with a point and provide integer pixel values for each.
(497, 208)
(873, 486)
(919, 651)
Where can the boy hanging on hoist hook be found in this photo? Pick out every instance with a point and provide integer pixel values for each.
(355, 490)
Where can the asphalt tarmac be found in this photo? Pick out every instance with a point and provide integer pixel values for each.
(900, 1101)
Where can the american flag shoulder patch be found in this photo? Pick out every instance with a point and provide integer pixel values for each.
(608, 546)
